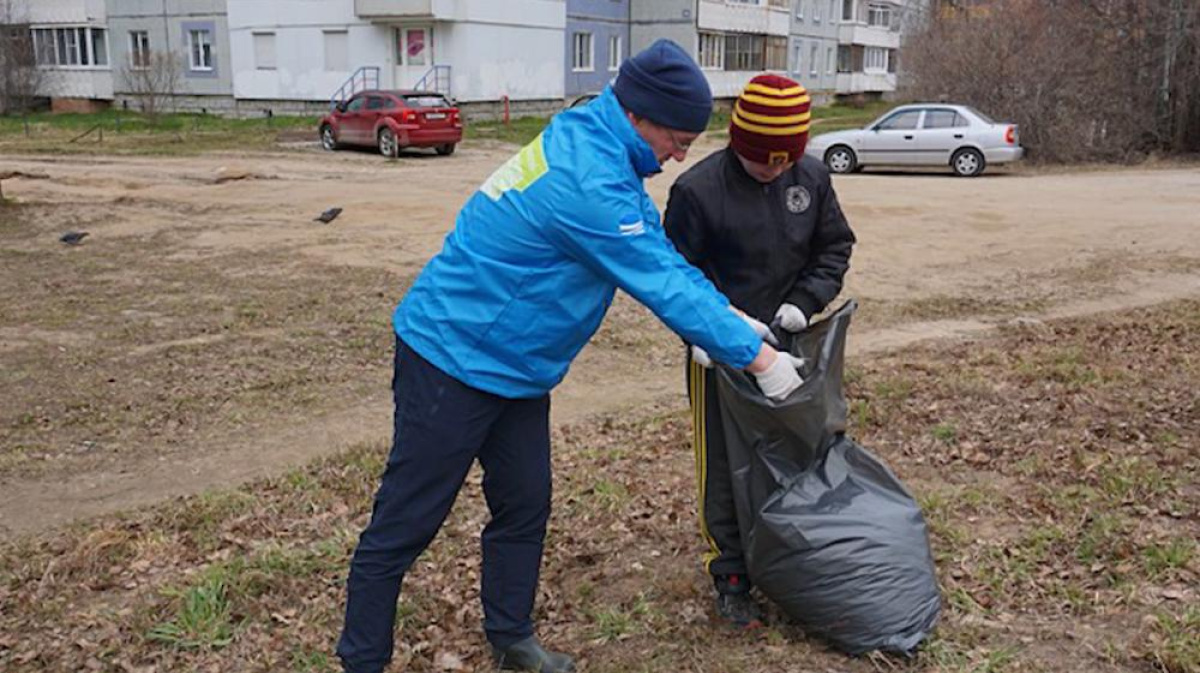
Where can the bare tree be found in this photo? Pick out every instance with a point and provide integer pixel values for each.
(21, 80)
(153, 79)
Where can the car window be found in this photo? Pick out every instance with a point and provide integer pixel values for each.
(426, 100)
(942, 119)
(374, 103)
(982, 117)
(389, 103)
(900, 121)
(355, 105)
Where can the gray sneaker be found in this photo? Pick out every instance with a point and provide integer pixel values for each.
(734, 603)
(528, 655)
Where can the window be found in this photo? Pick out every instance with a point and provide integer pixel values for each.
(337, 50)
(416, 43)
(829, 61)
(832, 11)
(264, 51)
(876, 60)
(356, 104)
(70, 47)
(581, 58)
(425, 100)
(777, 53)
(813, 66)
(744, 52)
(797, 56)
(712, 51)
(200, 49)
(844, 58)
(800, 9)
(901, 121)
(614, 52)
(848, 10)
(816, 13)
(375, 103)
(99, 47)
(942, 119)
(139, 49)
(879, 15)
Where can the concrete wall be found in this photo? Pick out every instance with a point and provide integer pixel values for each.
(489, 61)
(814, 23)
(300, 27)
(604, 19)
(166, 23)
(673, 19)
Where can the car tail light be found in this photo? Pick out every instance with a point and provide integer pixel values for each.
(408, 116)
(1010, 135)
(454, 119)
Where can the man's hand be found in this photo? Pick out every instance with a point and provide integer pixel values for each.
(776, 372)
(791, 318)
(760, 328)
(701, 357)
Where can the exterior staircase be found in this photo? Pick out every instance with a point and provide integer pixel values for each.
(366, 77)
(436, 79)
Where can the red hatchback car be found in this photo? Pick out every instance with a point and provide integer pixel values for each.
(391, 120)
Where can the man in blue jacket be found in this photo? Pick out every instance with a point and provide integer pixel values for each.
(492, 323)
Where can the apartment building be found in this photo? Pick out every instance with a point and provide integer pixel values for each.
(814, 46)
(868, 47)
(597, 41)
(72, 51)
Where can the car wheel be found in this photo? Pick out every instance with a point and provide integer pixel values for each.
(328, 140)
(388, 146)
(967, 163)
(445, 150)
(841, 159)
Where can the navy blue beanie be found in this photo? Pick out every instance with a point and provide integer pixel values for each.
(663, 84)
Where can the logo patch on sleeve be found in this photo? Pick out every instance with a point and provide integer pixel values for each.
(631, 225)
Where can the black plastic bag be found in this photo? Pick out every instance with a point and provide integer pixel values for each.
(829, 533)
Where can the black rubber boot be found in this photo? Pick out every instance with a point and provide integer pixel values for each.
(734, 603)
(528, 655)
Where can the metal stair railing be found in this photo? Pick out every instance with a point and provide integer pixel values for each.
(367, 75)
(436, 79)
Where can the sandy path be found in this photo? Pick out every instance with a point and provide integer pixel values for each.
(1060, 244)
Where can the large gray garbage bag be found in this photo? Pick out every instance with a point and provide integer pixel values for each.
(829, 533)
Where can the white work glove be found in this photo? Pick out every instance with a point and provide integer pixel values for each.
(780, 379)
(791, 318)
(760, 328)
(701, 356)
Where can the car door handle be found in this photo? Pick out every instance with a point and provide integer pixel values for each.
(908, 137)
(958, 135)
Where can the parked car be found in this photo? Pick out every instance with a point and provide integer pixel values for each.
(391, 120)
(957, 136)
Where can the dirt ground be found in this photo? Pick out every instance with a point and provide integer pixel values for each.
(208, 331)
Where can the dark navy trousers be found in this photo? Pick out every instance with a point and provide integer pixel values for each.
(441, 427)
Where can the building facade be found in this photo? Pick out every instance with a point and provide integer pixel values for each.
(597, 41)
(868, 47)
(192, 34)
(72, 50)
(813, 44)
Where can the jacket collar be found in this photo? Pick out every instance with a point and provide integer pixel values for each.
(609, 110)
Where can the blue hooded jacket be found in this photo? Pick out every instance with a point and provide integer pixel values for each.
(536, 255)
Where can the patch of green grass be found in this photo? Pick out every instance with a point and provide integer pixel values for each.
(1176, 646)
(520, 131)
(617, 623)
(203, 619)
(304, 660)
(946, 655)
(1105, 538)
(1176, 555)
(945, 432)
(610, 496)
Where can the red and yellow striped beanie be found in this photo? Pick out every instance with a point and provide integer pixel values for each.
(770, 121)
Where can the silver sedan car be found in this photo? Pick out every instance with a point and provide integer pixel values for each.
(929, 134)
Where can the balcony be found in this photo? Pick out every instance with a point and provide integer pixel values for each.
(870, 36)
(866, 82)
(375, 10)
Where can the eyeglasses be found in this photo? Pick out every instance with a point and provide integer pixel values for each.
(679, 146)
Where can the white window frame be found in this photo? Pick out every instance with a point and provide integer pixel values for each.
(879, 15)
(816, 11)
(196, 54)
(830, 60)
(800, 10)
(798, 52)
(711, 56)
(69, 47)
(583, 52)
(139, 49)
(875, 60)
(833, 13)
(402, 57)
(814, 53)
(614, 53)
